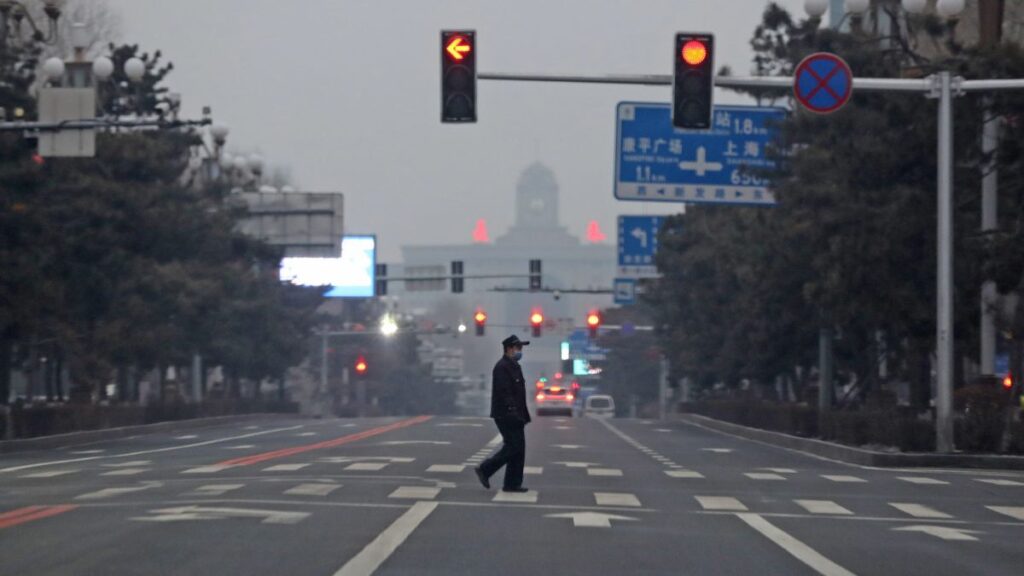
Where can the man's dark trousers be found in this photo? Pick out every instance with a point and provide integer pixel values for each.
(512, 454)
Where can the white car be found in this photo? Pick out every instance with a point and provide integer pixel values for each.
(599, 406)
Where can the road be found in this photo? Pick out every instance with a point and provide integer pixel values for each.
(396, 496)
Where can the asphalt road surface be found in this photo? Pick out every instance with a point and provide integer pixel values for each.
(389, 496)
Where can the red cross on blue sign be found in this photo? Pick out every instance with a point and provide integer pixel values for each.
(823, 82)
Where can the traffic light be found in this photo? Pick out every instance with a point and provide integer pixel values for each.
(381, 273)
(535, 282)
(693, 81)
(458, 282)
(481, 322)
(458, 76)
(536, 321)
(593, 323)
(1008, 382)
(361, 366)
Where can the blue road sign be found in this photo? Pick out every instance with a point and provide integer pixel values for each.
(658, 163)
(823, 82)
(625, 291)
(638, 244)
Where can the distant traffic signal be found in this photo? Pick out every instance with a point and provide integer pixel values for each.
(481, 322)
(536, 321)
(361, 366)
(535, 278)
(458, 76)
(593, 323)
(693, 81)
(458, 282)
(1008, 382)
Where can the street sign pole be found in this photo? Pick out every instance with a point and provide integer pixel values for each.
(942, 86)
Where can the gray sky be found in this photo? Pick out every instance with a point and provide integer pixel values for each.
(345, 94)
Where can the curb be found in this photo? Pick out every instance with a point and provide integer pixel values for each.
(860, 456)
(87, 436)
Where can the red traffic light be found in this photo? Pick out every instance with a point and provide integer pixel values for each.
(593, 319)
(458, 47)
(1008, 382)
(694, 52)
(361, 365)
(480, 317)
(536, 318)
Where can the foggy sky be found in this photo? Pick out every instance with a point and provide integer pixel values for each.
(345, 94)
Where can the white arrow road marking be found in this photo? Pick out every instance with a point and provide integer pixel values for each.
(944, 532)
(109, 492)
(591, 519)
(210, 513)
(405, 442)
(918, 510)
(796, 548)
(701, 166)
(1011, 511)
(718, 450)
(384, 545)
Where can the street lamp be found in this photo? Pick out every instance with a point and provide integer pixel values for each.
(915, 6)
(815, 8)
(856, 6)
(135, 69)
(388, 326)
(949, 8)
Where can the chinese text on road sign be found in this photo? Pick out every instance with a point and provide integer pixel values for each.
(725, 164)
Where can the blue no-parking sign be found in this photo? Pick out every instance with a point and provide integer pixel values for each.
(823, 82)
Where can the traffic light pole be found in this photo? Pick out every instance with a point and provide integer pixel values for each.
(942, 86)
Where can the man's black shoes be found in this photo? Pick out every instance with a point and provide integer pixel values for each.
(480, 476)
(516, 489)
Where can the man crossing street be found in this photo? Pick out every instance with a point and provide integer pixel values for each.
(508, 409)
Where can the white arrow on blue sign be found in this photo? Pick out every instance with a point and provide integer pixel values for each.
(656, 162)
(638, 245)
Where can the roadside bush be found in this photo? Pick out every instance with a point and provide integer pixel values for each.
(980, 419)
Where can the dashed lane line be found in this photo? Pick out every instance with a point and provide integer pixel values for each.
(922, 480)
(416, 492)
(516, 497)
(823, 507)
(366, 466)
(50, 474)
(447, 468)
(215, 489)
(763, 476)
(999, 481)
(918, 510)
(312, 489)
(726, 503)
(842, 478)
(285, 467)
(683, 474)
(616, 499)
(604, 472)
(126, 472)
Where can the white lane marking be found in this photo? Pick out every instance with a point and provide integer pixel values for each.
(405, 442)
(315, 489)
(921, 480)
(306, 434)
(467, 424)
(567, 446)
(186, 437)
(211, 513)
(215, 489)
(796, 548)
(577, 464)
(416, 492)
(720, 503)
(110, 492)
(49, 474)
(683, 474)
(822, 507)
(943, 532)
(87, 451)
(674, 465)
(604, 472)
(918, 510)
(591, 519)
(763, 476)
(349, 425)
(125, 472)
(205, 470)
(662, 430)
(285, 467)
(842, 478)
(999, 481)
(384, 545)
(518, 497)
(1016, 512)
(563, 427)
(616, 499)
(366, 466)
(144, 452)
(251, 428)
(240, 447)
(452, 468)
(346, 459)
(780, 470)
(132, 464)
(494, 441)
(535, 470)
(718, 450)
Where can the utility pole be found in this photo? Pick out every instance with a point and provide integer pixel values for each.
(990, 19)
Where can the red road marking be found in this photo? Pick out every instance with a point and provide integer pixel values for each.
(257, 458)
(30, 513)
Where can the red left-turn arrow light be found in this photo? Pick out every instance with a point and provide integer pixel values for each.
(458, 47)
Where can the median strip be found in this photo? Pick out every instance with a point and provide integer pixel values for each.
(285, 452)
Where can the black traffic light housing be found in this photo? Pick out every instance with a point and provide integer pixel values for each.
(535, 277)
(536, 322)
(480, 318)
(458, 76)
(458, 282)
(693, 80)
